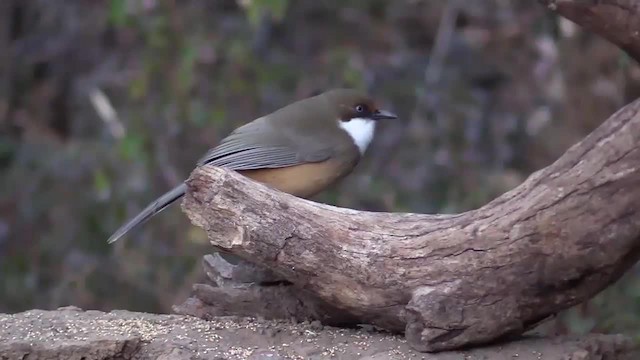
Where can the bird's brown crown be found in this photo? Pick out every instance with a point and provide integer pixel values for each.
(351, 104)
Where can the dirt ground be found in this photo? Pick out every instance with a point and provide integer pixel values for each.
(71, 333)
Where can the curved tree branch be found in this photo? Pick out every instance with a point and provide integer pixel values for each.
(616, 20)
(447, 280)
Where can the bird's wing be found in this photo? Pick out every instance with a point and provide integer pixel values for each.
(257, 146)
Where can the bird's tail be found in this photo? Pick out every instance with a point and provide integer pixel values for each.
(155, 207)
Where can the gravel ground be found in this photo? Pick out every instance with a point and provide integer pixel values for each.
(71, 333)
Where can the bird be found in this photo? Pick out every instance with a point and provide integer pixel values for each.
(300, 149)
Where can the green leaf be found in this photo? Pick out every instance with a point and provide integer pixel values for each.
(100, 181)
(131, 147)
(157, 35)
(218, 115)
(275, 8)
(353, 77)
(186, 69)
(278, 8)
(118, 12)
(199, 114)
(139, 86)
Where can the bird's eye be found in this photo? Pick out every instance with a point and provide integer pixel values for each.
(360, 108)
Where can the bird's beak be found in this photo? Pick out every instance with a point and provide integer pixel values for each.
(383, 114)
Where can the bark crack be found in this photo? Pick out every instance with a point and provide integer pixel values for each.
(285, 243)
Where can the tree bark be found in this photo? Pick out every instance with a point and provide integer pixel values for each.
(616, 20)
(446, 281)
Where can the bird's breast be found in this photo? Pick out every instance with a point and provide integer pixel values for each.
(304, 180)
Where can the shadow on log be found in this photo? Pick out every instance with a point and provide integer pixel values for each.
(446, 281)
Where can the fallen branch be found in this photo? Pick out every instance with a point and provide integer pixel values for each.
(447, 280)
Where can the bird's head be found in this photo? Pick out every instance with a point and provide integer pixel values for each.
(356, 113)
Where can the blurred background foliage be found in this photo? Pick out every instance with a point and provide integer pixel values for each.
(105, 104)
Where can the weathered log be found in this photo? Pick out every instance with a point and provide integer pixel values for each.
(449, 281)
(616, 20)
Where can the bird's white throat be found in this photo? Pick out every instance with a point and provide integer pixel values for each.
(361, 131)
